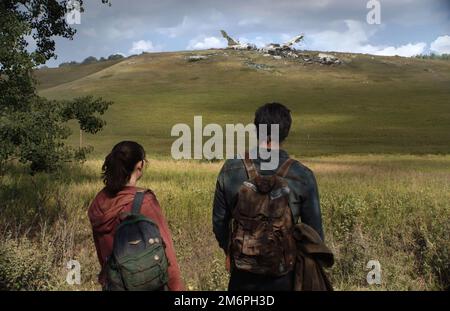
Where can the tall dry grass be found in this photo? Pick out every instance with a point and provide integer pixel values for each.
(395, 209)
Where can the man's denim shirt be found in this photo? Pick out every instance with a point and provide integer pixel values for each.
(303, 198)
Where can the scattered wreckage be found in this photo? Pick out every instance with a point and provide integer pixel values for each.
(328, 59)
(284, 50)
(196, 58)
(276, 51)
(236, 45)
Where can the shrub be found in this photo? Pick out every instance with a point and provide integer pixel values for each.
(115, 57)
(24, 265)
(90, 60)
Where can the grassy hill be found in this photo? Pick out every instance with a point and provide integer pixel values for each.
(50, 77)
(368, 104)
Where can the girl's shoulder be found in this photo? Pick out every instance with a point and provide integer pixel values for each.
(99, 197)
(148, 192)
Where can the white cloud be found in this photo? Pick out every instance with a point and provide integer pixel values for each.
(204, 43)
(407, 50)
(258, 41)
(441, 45)
(144, 46)
(356, 39)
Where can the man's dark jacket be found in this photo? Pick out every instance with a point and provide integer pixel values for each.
(311, 256)
(303, 200)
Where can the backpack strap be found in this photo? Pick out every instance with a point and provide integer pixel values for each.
(284, 168)
(137, 202)
(252, 172)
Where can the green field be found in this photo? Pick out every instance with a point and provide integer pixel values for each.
(375, 131)
(367, 105)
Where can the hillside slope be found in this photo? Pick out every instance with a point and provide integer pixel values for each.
(366, 105)
(50, 77)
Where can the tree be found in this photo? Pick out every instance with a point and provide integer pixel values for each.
(32, 128)
(90, 60)
(66, 64)
(83, 109)
(115, 57)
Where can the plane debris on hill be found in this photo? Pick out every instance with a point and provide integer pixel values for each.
(281, 49)
(236, 45)
(196, 58)
(328, 59)
(257, 66)
(285, 50)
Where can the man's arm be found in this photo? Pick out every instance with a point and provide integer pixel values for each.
(310, 207)
(221, 214)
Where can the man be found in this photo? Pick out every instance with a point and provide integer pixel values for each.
(302, 198)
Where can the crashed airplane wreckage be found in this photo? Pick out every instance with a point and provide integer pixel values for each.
(236, 45)
(285, 50)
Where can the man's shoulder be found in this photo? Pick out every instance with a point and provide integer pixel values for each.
(297, 168)
(300, 171)
(232, 164)
(301, 168)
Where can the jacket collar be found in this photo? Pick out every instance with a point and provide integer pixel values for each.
(283, 155)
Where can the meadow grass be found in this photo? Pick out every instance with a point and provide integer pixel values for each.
(370, 104)
(391, 208)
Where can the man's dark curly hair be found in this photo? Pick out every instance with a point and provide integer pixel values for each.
(274, 113)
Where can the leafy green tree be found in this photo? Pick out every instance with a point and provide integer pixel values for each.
(115, 57)
(33, 129)
(66, 64)
(434, 56)
(90, 60)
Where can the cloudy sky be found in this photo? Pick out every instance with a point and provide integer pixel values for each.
(407, 27)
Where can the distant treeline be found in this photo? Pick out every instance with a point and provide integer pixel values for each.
(93, 59)
(434, 56)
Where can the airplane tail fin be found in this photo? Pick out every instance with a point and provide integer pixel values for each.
(294, 40)
(230, 40)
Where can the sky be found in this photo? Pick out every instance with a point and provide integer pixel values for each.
(403, 27)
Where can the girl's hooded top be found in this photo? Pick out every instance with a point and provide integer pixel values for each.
(104, 214)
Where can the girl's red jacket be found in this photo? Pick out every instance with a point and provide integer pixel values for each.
(104, 214)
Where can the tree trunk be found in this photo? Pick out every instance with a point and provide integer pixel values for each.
(81, 138)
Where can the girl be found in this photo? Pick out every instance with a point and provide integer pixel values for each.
(122, 168)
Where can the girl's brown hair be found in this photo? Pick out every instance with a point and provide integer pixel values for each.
(119, 165)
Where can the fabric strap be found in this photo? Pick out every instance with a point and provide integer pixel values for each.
(137, 202)
(250, 167)
(284, 168)
(252, 172)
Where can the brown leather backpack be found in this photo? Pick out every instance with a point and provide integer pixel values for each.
(262, 239)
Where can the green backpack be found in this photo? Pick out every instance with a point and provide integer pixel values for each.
(138, 260)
